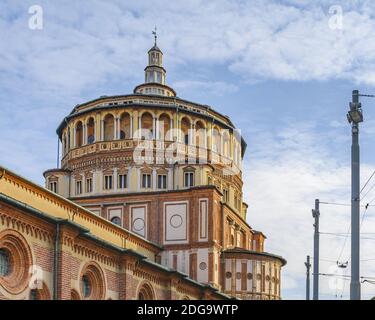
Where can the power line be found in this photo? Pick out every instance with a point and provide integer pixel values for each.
(336, 204)
(368, 191)
(344, 233)
(346, 239)
(345, 295)
(371, 201)
(346, 204)
(343, 276)
(366, 95)
(346, 270)
(344, 236)
(368, 180)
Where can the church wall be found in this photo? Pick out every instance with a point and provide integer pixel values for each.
(118, 275)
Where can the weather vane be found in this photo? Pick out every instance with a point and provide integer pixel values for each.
(155, 34)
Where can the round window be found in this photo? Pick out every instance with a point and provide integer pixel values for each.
(116, 220)
(92, 284)
(86, 286)
(15, 259)
(4, 263)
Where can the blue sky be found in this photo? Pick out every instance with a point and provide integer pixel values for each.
(275, 67)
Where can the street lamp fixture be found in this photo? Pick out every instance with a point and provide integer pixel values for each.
(355, 113)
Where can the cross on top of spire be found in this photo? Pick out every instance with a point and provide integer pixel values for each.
(154, 32)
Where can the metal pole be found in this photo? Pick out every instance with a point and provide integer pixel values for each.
(355, 287)
(316, 215)
(308, 266)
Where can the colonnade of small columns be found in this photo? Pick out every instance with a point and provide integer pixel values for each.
(111, 126)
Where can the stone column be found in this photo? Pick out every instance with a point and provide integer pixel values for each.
(157, 128)
(115, 128)
(74, 137)
(84, 126)
(139, 127)
(170, 135)
(154, 128)
(101, 129)
(131, 126)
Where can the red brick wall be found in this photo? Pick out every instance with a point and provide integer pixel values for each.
(44, 257)
(64, 276)
(112, 280)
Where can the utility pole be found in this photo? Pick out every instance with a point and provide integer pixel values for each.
(308, 266)
(355, 117)
(316, 214)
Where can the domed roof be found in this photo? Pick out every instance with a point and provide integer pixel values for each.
(155, 48)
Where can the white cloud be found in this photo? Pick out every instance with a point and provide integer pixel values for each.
(217, 88)
(284, 175)
(87, 46)
(84, 46)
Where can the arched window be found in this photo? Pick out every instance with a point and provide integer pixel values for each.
(79, 134)
(64, 145)
(125, 126)
(146, 293)
(109, 127)
(226, 143)
(216, 140)
(200, 135)
(92, 282)
(4, 263)
(116, 221)
(68, 138)
(164, 127)
(86, 286)
(91, 131)
(185, 127)
(147, 126)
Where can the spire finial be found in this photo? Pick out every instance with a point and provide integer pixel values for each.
(155, 34)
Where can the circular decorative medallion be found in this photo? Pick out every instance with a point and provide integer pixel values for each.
(15, 260)
(203, 266)
(238, 275)
(138, 224)
(176, 221)
(228, 275)
(249, 276)
(92, 282)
